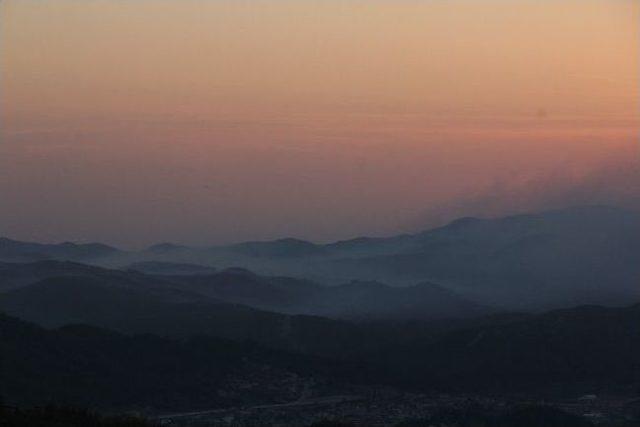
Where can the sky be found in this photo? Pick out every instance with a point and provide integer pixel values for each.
(201, 122)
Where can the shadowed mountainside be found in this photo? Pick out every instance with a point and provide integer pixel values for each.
(57, 301)
(92, 367)
(567, 352)
(356, 300)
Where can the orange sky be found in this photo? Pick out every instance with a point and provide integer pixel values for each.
(198, 121)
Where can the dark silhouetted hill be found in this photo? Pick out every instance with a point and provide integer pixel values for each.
(96, 368)
(570, 350)
(58, 301)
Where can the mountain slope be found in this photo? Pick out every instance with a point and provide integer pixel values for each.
(376, 301)
(581, 255)
(560, 258)
(57, 301)
(81, 365)
(561, 353)
(551, 259)
(356, 300)
(169, 268)
(578, 350)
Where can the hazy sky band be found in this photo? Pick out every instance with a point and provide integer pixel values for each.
(208, 121)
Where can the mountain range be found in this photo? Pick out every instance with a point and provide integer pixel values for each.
(466, 308)
(40, 287)
(584, 350)
(582, 255)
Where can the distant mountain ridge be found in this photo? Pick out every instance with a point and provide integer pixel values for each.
(355, 300)
(581, 255)
(570, 218)
(11, 250)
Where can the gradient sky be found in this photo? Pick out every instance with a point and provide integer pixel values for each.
(210, 121)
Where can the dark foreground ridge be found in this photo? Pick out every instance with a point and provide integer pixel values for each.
(52, 416)
(470, 416)
(211, 379)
